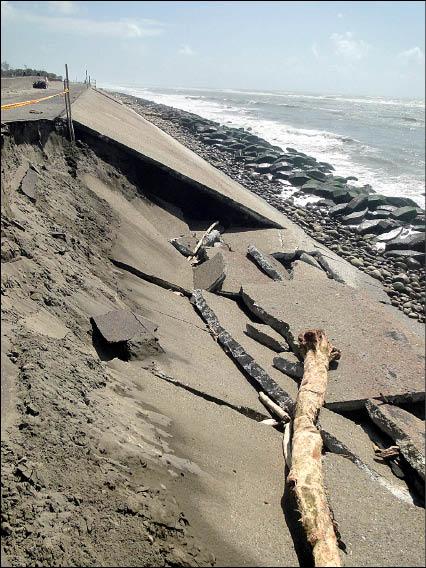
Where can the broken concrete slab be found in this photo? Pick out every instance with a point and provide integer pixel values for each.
(377, 529)
(270, 266)
(121, 328)
(239, 269)
(293, 369)
(210, 274)
(372, 364)
(28, 185)
(407, 431)
(185, 244)
(241, 357)
(309, 259)
(191, 355)
(266, 336)
(351, 439)
(268, 240)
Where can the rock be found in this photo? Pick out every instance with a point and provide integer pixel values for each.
(375, 200)
(211, 238)
(298, 179)
(185, 244)
(28, 185)
(401, 278)
(356, 204)
(210, 274)
(270, 265)
(401, 201)
(376, 227)
(375, 273)
(292, 369)
(399, 286)
(378, 214)
(357, 262)
(416, 255)
(414, 241)
(316, 174)
(266, 336)
(337, 210)
(354, 218)
(407, 431)
(405, 213)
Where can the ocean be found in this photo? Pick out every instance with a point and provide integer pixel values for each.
(379, 140)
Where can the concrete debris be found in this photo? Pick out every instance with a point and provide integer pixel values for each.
(293, 369)
(131, 335)
(270, 266)
(185, 244)
(240, 356)
(266, 336)
(407, 431)
(210, 274)
(390, 369)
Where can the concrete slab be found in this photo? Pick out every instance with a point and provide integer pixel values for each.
(118, 325)
(190, 355)
(139, 243)
(239, 270)
(268, 240)
(210, 274)
(407, 431)
(268, 264)
(235, 321)
(377, 529)
(266, 336)
(107, 117)
(373, 362)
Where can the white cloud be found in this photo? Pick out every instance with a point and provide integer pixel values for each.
(349, 47)
(123, 28)
(63, 7)
(413, 55)
(315, 51)
(186, 50)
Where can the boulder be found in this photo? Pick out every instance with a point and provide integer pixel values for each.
(401, 201)
(375, 200)
(376, 226)
(316, 174)
(28, 185)
(298, 179)
(403, 254)
(406, 213)
(266, 159)
(357, 204)
(414, 241)
(337, 210)
(354, 218)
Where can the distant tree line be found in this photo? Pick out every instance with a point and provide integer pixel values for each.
(8, 71)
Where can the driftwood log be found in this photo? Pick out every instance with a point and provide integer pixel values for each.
(306, 477)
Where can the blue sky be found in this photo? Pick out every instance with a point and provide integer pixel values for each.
(372, 48)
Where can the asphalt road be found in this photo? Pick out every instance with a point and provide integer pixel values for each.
(49, 109)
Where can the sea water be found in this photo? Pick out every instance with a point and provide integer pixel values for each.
(379, 140)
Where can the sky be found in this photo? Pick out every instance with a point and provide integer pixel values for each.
(357, 48)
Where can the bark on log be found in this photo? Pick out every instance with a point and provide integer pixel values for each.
(306, 477)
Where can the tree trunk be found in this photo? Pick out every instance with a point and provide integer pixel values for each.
(306, 476)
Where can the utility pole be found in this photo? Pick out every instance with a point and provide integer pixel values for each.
(68, 100)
